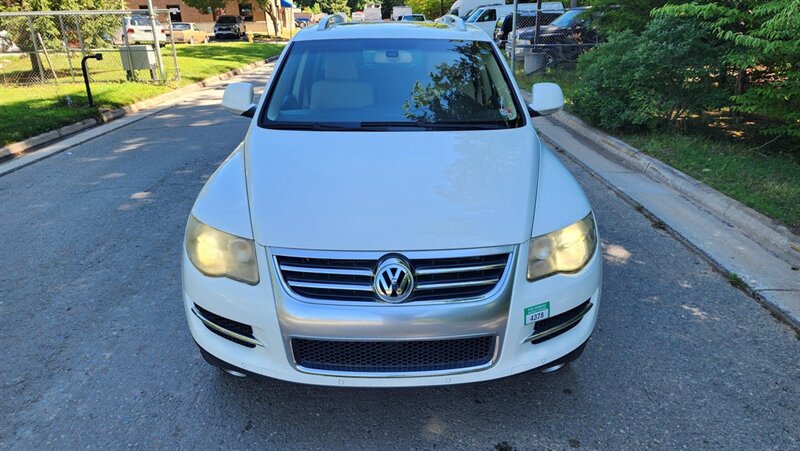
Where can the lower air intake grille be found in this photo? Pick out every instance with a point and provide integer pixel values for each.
(229, 324)
(393, 356)
(558, 321)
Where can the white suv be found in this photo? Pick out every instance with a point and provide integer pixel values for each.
(391, 219)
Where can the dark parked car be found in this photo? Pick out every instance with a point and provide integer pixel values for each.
(229, 27)
(524, 19)
(565, 38)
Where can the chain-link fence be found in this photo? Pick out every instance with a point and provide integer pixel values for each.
(49, 46)
(546, 38)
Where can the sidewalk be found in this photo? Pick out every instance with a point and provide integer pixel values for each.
(769, 275)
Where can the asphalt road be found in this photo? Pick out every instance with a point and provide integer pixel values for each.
(95, 350)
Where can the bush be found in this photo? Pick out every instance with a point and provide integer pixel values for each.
(649, 80)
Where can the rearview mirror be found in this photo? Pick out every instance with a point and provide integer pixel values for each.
(547, 99)
(238, 99)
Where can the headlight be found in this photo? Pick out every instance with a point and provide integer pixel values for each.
(219, 254)
(564, 251)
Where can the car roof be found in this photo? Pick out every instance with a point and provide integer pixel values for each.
(392, 30)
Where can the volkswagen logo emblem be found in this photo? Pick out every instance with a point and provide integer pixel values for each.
(394, 280)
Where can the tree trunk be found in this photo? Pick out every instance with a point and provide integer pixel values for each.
(274, 19)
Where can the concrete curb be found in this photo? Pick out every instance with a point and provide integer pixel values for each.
(21, 147)
(776, 238)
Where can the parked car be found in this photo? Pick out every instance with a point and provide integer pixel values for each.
(188, 33)
(229, 27)
(400, 11)
(421, 235)
(139, 31)
(525, 19)
(564, 39)
(302, 22)
(6, 44)
(486, 17)
(413, 18)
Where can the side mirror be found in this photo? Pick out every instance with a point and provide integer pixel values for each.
(238, 99)
(547, 99)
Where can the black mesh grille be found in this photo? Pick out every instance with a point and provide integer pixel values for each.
(555, 321)
(229, 324)
(393, 356)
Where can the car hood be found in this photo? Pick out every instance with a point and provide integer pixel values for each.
(398, 191)
(529, 32)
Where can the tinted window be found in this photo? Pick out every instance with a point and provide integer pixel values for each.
(402, 84)
(142, 21)
(226, 19)
(568, 18)
(489, 15)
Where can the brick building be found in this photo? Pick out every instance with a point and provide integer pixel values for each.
(255, 17)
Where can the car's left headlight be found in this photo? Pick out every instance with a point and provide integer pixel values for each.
(219, 254)
(566, 250)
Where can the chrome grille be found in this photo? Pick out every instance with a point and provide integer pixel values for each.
(438, 276)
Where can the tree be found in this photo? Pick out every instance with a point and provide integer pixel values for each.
(620, 15)
(272, 8)
(205, 6)
(431, 8)
(356, 5)
(666, 73)
(94, 30)
(763, 38)
(334, 6)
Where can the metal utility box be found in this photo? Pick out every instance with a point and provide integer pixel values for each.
(138, 57)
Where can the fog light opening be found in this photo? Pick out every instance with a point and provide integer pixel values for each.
(553, 368)
(233, 373)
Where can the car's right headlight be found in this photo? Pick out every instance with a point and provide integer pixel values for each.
(566, 250)
(219, 254)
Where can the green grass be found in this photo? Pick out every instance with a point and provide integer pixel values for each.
(565, 78)
(26, 111)
(768, 182)
(766, 179)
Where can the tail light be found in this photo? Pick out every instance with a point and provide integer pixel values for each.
(162, 31)
(130, 31)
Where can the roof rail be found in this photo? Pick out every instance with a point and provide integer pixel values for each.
(330, 20)
(454, 21)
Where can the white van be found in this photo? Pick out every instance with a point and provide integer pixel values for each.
(463, 8)
(486, 17)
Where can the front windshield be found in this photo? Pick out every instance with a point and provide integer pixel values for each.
(226, 19)
(474, 16)
(566, 19)
(391, 84)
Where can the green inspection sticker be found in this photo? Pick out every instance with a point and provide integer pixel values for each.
(537, 313)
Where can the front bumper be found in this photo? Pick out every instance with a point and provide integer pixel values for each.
(276, 317)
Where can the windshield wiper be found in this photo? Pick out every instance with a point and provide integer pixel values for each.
(386, 125)
(317, 126)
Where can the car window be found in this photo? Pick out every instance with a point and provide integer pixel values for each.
(475, 14)
(489, 15)
(142, 21)
(226, 19)
(568, 18)
(180, 26)
(406, 84)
